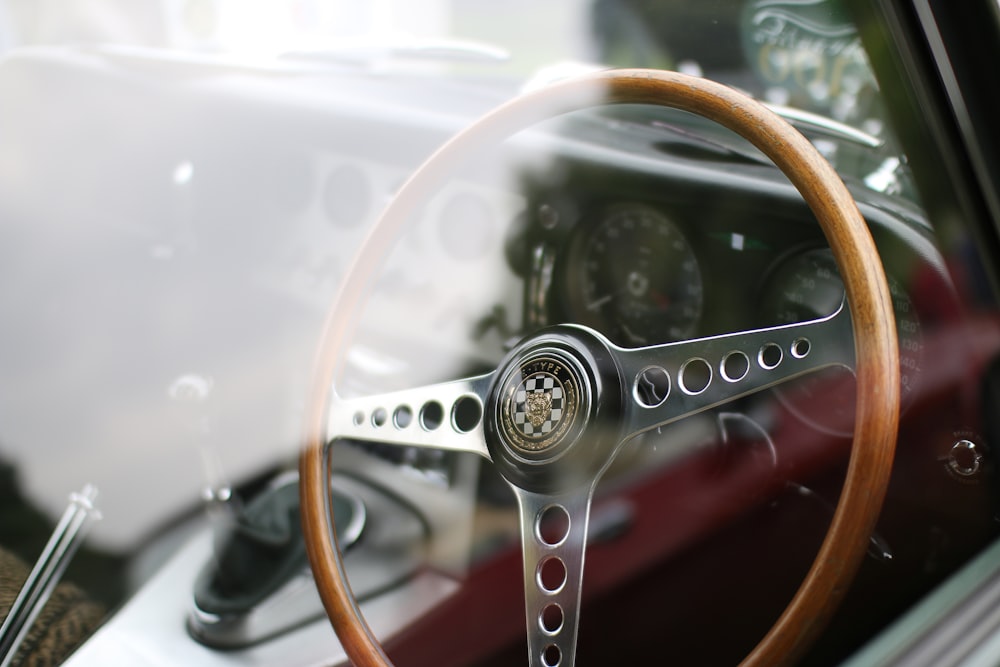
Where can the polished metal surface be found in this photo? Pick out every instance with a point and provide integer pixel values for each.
(553, 538)
(707, 372)
(440, 416)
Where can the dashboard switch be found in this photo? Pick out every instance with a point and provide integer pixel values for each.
(964, 459)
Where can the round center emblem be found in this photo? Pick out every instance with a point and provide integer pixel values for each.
(540, 403)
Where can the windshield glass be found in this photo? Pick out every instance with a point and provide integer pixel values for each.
(207, 210)
(184, 189)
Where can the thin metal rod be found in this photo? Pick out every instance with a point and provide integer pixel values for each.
(49, 568)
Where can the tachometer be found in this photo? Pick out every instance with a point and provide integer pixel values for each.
(634, 276)
(806, 287)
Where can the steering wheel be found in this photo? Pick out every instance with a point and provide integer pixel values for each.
(560, 405)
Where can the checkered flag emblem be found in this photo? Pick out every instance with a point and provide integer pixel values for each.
(538, 405)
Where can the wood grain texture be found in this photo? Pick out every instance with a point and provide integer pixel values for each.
(868, 299)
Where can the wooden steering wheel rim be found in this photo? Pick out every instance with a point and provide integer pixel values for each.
(877, 358)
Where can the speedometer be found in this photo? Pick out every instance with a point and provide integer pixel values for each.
(807, 287)
(633, 276)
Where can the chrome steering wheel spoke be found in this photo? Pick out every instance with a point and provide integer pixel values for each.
(553, 539)
(667, 382)
(447, 415)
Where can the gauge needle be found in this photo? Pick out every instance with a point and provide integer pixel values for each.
(636, 338)
(597, 303)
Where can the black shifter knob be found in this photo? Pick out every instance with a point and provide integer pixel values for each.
(259, 550)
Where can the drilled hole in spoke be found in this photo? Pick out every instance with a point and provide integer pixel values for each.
(552, 525)
(551, 575)
(695, 376)
(402, 417)
(652, 386)
(466, 413)
(801, 348)
(551, 619)
(380, 417)
(359, 418)
(551, 656)
(735, 366)
(431, 416)
(770, 356)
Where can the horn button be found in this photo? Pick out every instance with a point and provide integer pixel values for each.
(553, 410)
(543, 404)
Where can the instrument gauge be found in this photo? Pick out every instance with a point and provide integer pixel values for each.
(634, 277)
(808, 286)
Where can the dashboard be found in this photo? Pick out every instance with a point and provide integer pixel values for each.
(655, 254)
